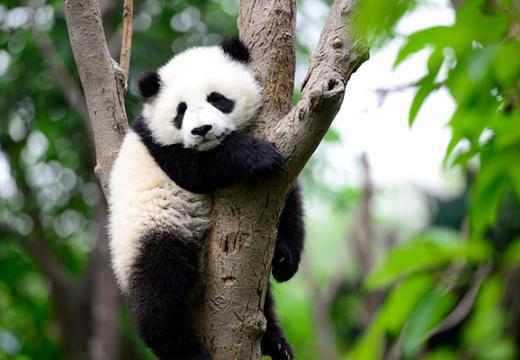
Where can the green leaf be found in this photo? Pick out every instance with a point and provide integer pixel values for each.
(403, 299)
(512, 255)
(485, 332)
(370, 347)
(422, 93)
(424, 252)
(429, 313)
(419, 41)
(426, 85)
(487, 192)
(443, 353)
(514, 174)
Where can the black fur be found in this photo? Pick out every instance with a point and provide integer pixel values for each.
(235, 48)
(181, 109)
(167, 266)
(273, 342)
(240, 156)
(162, 279)
(291, 236)
(149, 84)
(221, 102)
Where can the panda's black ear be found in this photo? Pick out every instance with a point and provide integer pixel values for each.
(235, 48)
(149, 84)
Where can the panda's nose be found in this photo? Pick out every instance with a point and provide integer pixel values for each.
(201, 130)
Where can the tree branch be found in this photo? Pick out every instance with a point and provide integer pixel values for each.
(126, 43)
(339, 53)
(102, 80)
(245, 217)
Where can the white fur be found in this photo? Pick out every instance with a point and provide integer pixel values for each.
(144, 199)
(190, 77)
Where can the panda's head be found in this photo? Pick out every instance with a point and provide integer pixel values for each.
(200, 96)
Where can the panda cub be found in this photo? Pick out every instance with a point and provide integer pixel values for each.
(189, 141)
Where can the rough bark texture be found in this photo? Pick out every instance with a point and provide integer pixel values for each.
(241, 243)
(103, 83)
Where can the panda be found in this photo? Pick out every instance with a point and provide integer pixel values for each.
(189, 140)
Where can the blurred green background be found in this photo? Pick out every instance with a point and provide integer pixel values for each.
(413, 219)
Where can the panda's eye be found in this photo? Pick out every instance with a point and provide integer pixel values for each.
(181, 109)
(221, 102)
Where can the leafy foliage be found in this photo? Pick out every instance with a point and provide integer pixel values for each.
(476, 60)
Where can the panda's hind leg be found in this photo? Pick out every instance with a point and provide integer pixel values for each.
(161, 282)
(273, 342)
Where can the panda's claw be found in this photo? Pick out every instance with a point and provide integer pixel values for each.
(284, 266)
(277, 348)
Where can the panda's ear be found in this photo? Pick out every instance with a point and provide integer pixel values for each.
(149, 84)
(235, 48)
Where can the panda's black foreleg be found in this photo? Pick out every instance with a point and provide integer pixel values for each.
(291, 235)
(162, 278)
(244, 157)
(273, 342)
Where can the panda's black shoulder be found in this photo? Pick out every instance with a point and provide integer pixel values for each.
(187, 168)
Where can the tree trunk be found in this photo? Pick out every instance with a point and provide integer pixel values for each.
(241, 243)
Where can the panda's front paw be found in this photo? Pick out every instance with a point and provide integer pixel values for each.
(277, 348)
(284, 264)
(268, 161)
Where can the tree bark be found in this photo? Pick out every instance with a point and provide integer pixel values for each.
(241, 243)
(102, 80)
(245, 217)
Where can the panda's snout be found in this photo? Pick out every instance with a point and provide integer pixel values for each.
(201, 130)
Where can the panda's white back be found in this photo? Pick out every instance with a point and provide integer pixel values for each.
(144, 199)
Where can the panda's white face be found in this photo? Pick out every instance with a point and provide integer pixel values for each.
(204, 96)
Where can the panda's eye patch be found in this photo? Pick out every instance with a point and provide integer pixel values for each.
(221, 102)
(181, 109)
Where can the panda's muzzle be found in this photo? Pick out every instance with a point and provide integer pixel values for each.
(201, 130)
